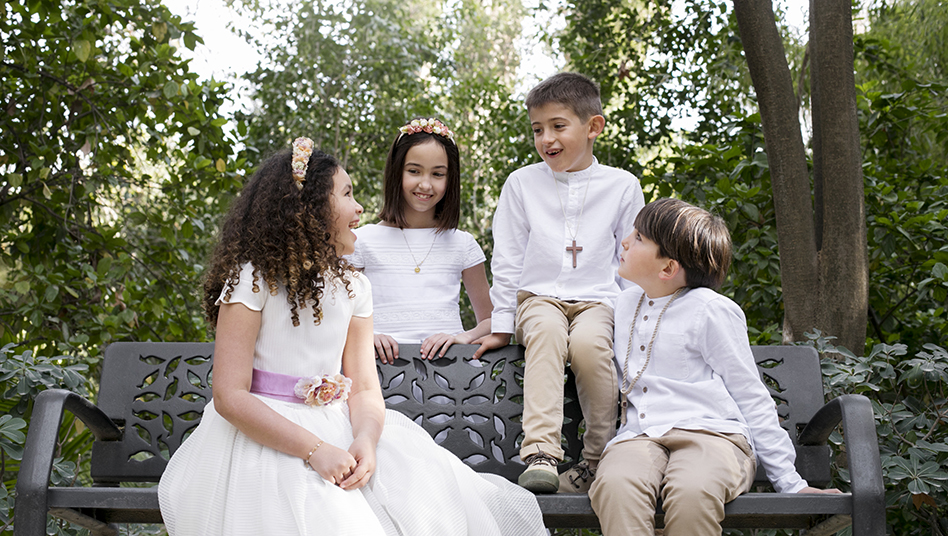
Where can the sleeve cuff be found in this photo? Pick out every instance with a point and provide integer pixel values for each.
(501, 322)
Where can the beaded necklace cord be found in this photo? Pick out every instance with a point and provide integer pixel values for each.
(625, 390)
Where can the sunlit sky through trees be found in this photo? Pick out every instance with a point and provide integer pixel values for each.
(225, 56)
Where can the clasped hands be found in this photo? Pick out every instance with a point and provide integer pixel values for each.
(348, 469)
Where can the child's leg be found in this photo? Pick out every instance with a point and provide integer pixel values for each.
(705, 470)
(542, 329)
(590, 357)
(627, 483)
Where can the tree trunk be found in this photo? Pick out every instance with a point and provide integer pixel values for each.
(767, 61)
(837, 173)
(822, 253)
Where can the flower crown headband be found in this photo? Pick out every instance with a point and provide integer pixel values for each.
(302, 150)
(431, 126)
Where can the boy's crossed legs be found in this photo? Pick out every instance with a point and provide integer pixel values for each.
(556, 334)
(695, 471)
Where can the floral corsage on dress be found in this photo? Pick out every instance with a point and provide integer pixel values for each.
(323, 390)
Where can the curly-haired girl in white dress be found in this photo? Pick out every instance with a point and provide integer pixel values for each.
(287, 445)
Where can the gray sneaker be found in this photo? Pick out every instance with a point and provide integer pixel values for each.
(577, 479)
(541, 475)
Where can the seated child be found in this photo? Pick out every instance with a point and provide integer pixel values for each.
(288, 446)
(694, 409)
(416, 257)
(557, 232)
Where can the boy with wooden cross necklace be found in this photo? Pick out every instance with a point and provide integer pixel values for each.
(557, 233)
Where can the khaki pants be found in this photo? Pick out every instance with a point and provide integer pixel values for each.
(695, 471)
(556, 334)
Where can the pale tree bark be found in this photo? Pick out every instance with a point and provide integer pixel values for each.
(822, 245)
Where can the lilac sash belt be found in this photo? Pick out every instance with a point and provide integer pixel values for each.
(275, 385)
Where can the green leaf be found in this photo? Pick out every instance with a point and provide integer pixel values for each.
(940, 271)
(170, 89)
(82, 49)
(51, 292)
(159, 30)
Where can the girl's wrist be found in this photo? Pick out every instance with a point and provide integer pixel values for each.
(312, 452)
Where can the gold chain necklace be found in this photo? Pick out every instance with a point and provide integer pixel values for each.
(625, 390)
(410, 252)
(574, 249)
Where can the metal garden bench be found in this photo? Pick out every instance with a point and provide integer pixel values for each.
(152, 394)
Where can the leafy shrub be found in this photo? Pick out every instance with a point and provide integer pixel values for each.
(910, 404)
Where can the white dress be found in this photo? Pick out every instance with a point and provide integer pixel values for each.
(411, 306)
(220, 482)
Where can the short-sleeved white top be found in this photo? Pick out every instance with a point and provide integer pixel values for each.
(278, 337)
(411, 306)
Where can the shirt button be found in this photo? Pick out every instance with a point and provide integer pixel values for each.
(642, 347)
(645, 317)
(641, 415)
(645, 389)
(650, 302)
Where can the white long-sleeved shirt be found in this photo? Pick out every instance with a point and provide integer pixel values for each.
(531, 235)
(701, 376)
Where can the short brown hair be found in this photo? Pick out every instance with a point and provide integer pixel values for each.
(573, 90)
(448, 210)
(694, 237)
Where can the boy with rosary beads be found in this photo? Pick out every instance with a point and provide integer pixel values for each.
(557, 238)
(694, 410)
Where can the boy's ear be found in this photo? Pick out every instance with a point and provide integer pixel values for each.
(596, 123)
(671, 269)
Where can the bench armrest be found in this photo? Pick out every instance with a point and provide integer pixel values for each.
(41, 440)
(862, 456)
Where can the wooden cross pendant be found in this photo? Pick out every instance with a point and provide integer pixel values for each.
(623, 406)
(574, 249)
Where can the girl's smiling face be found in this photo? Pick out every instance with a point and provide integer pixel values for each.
(346, 211)
(424, 180)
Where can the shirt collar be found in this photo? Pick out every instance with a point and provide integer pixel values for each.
(566, 176)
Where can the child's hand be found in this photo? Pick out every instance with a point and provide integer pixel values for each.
(808, 489)
(490, 342)
(364, 453)
(439, 341)
(332, 463)
(386, 348)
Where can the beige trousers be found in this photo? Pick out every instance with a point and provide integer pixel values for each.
(556, 334)
(695, 471)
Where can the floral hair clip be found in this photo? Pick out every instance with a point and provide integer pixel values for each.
(323, 390)
(431, 126)
(302, 150)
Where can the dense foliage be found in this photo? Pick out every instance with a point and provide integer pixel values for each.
(113, 170)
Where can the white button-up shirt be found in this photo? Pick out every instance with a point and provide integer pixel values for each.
(536, 216)
(701, 376)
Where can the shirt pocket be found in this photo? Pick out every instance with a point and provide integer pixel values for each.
(671, 358)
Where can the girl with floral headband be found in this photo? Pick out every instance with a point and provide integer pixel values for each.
(297, 440)
(416, 256)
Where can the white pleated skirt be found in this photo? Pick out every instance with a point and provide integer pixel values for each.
(220, 482)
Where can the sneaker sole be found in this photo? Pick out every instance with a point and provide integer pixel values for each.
(539, 481)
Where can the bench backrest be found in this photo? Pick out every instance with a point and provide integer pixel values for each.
(157, 391)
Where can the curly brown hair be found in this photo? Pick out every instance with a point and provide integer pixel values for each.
(284, 232)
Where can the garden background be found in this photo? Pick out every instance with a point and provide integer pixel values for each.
(117, 161)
